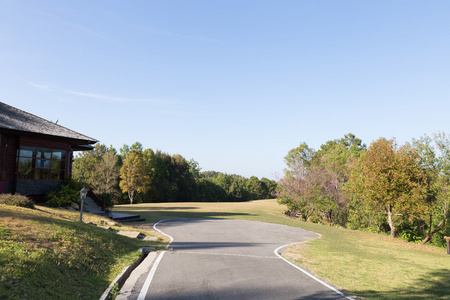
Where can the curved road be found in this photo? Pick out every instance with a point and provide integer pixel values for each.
(230, 259)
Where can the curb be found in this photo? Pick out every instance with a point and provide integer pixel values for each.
(123, 276)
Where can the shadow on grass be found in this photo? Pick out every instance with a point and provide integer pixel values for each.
(163, 208)
(180, 246)
(66, 259)
(161, 213)
(433, 285)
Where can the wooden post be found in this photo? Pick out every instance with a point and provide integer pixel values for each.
(447, 238)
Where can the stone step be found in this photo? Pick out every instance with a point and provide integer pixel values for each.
(125, 217)
(130, 234)
(91, 206)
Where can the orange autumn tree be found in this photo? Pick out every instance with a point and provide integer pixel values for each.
(389, 178)
(133, 174)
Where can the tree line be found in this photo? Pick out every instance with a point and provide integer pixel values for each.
(134, 174)
(400, 190)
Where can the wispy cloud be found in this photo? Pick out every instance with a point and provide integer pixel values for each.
(65, 21)
(102, 97)
(72, 26)
(114, 98)
(182, 36)
(41, 86)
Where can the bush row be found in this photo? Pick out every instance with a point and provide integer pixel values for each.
(16, 200)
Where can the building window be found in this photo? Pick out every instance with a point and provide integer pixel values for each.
(40, 163)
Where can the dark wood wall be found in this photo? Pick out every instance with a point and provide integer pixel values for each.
(9, 144)
(8, 151)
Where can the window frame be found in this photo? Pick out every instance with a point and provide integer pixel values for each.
(46, 163)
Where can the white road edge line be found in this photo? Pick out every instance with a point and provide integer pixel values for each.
(150, 276)
(306, 273)
(152, 272)
(155, 266)
(171, 238)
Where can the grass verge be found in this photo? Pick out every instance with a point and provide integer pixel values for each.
(46, 254)
(362, 264)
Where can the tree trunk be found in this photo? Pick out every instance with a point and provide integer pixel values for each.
(438, 228)
(391, 222)
(131, 196)
(431, 233)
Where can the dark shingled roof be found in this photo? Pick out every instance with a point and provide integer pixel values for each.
(15, 119)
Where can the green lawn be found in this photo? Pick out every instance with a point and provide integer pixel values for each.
(366, 265)
(46, 254)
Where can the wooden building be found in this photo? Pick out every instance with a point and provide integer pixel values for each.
(35, 154)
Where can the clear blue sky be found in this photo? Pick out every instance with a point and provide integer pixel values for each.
(233, 84)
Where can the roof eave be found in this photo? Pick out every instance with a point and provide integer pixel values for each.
(72, 141)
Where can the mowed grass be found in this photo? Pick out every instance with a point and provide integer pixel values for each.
(46, 253)
(362, 264)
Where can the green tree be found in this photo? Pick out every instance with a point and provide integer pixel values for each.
(238, 190)
(434, 156)
(85, 165)
(302, 153)
(160, 187)
(336, 154)
(180, 174)
(123, 152)
(389, 178)
(255, 188)
(212, 175)
(224, 181)
(298, 191)
(313, 183)
(106, 174)
(137, 146)
(134, 175)
(270, 187)
(99, 170)
(126, 149)
(194, 169)
(315, 193)
(172, 177)
(208, 191)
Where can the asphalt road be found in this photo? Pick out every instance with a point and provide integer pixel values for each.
(228, 259)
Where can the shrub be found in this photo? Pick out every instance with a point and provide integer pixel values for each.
(108, 198)
(439, 240)
(411, 236)
(292, 213)
(16, 200)
(64, 195)
(73, 184)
